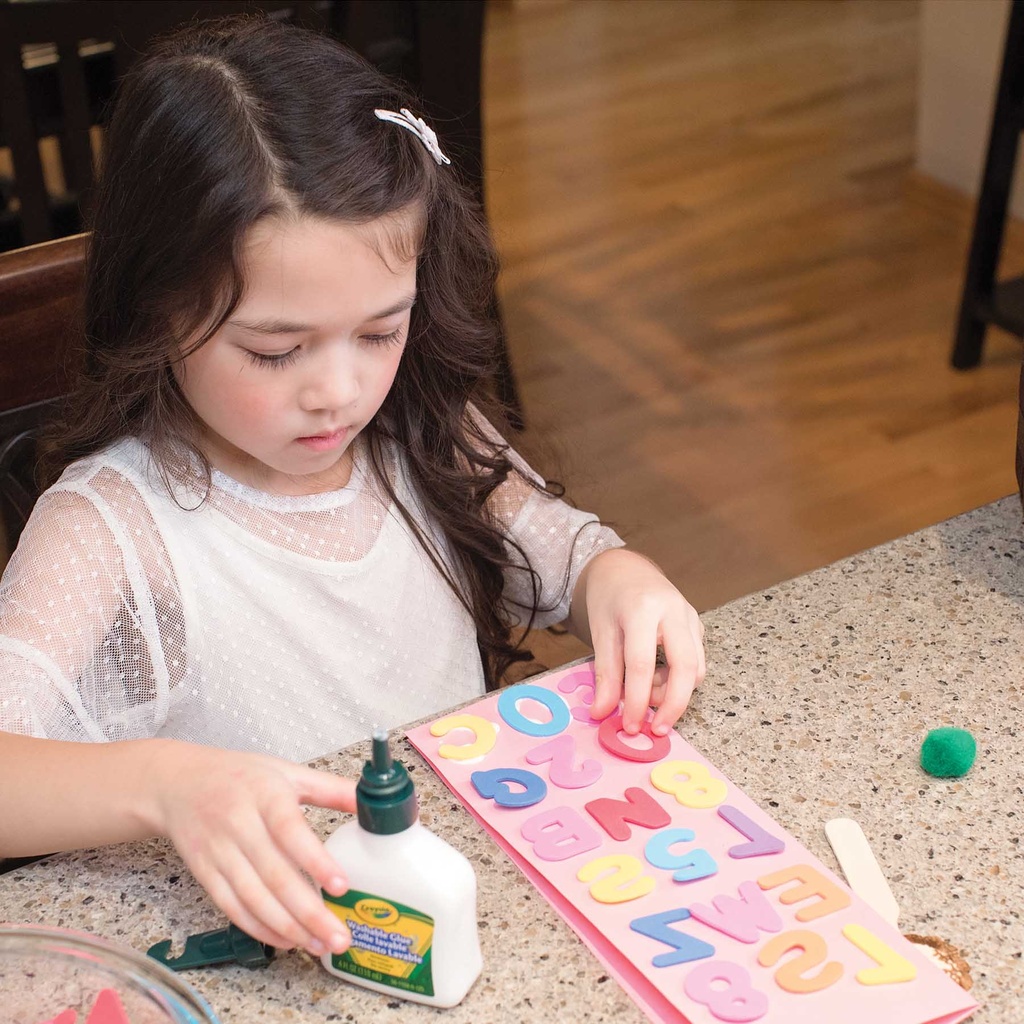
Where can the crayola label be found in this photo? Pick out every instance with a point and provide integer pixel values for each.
(390, 942)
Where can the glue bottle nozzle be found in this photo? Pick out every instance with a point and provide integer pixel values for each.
(381, 752)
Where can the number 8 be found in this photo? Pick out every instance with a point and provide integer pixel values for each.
(737, 1003)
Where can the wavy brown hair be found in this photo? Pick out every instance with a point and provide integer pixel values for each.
(225, 123)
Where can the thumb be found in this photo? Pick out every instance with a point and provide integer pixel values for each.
(325, 789)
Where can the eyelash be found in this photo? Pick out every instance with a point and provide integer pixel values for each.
(284, 358)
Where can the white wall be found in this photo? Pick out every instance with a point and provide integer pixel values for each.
(961, 51)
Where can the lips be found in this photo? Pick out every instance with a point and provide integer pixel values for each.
(324, 442)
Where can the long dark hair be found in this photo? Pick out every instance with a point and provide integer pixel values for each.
(222, 124)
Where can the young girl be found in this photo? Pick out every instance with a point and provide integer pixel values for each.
(281, 518)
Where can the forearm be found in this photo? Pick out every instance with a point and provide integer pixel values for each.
(62, 796)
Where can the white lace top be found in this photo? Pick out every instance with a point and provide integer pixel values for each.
(290, 625)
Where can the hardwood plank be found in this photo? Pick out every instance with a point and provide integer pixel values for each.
(730, 299)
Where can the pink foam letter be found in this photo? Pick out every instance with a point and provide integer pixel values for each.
(559, 834)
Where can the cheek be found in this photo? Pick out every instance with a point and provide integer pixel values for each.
(389, 367)
(224, 390)
(254, 406)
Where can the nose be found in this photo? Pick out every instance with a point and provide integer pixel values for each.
(331, 381)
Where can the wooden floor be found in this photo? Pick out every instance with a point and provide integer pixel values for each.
(729, 298)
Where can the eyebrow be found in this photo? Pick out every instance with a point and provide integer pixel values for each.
(291, 327)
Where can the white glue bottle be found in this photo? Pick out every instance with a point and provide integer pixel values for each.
(411, 905)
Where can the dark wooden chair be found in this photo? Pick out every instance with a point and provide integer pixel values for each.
(86, 45)
(40, 296)
(985, 300)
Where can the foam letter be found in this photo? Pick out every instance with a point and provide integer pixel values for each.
(814, 884)
(761, 843)
(559, 834)
(790, 976)
(626, 882)
(891, 967)
(686, 947)
(639, 807)
(508, 708)
(494, 785)
(581, 679)
(561, 752)
(688, 867)
(740, 919)
(484, 736)
(608, 736)
(737, 1003)
(698, 788)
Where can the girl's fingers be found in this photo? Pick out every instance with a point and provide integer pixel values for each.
(220, 891)
(698, 643)
(287, 892)
(258, 895)
(684, 665)
(640, 650)
(607, 671)
(324, 789)
(289, 829)
(658, 685)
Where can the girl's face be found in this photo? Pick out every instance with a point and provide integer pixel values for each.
(308, 357)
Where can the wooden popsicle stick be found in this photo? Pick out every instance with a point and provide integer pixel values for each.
(862, 872)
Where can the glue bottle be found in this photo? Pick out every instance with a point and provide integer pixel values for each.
(411, 905)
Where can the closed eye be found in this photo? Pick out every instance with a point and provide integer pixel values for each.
(384, 339)
(277, 359)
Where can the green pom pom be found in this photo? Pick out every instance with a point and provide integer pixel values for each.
(948, 753)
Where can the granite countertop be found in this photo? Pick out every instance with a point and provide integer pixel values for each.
(819, 693)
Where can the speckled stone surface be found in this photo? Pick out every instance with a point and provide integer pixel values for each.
(819, 694)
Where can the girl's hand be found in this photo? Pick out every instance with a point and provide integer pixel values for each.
(631, 609)
(237, 821)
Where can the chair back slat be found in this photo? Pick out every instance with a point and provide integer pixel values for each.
(20, 137)
(76, 146)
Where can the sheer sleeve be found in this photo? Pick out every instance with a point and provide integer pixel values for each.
(91, 632)
(557, 540)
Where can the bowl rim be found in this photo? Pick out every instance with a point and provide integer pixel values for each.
(82, 945)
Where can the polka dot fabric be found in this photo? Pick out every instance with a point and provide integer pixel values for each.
(288, 625)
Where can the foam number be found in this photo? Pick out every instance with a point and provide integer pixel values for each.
(508, 708)
(761, 844)
(582, 679)
(891, 969)
(685, 948)
(484, 736)
(812, 883)
(494, 785)
(609, 738)
(741, 918)
(561, 752)
(687, 867)
(639, 807)
(791, 976)
(690, 783)
(737, 1003)
(626, 882)
(559, 834)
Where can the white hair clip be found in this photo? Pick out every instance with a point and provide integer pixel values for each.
(419, 128)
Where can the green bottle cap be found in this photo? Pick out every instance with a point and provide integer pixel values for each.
(385, 797)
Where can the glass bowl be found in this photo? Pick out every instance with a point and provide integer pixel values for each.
(46, 972)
